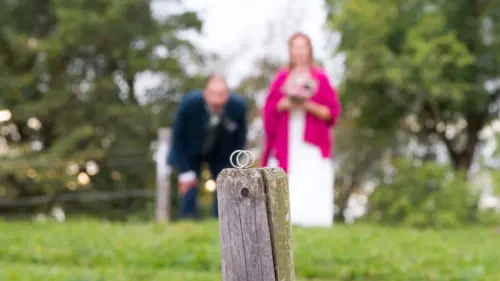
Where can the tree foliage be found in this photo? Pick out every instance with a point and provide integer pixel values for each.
(426, 195)
(68, 77)
(428, 67)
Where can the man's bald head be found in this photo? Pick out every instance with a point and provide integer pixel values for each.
(216, 92)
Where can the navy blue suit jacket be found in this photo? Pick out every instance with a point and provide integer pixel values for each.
(190, 127)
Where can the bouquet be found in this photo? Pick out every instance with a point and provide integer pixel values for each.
(300, 87)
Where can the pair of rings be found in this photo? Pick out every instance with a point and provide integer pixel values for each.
(250, 159)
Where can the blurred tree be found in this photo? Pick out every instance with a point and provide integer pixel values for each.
(425, 195)
(360, 156)
(254, 87)
(68, 76)
(428, 67)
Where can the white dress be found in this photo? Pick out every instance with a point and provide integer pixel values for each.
(310, 178)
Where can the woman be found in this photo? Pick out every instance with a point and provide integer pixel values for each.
(300, 111)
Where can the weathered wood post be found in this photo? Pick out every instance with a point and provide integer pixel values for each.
(163, 176)
(254, 216)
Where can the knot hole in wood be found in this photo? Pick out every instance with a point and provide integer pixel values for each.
(244, 192)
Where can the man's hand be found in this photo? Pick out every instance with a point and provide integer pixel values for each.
(185, 186)
(187, 181)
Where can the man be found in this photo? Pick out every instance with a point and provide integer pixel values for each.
(209, 125)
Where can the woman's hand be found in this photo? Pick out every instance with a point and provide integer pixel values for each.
(285, 104)
(320, 111)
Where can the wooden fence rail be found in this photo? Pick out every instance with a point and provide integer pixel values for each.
(254, 217)
(161, 195)
(77, 196)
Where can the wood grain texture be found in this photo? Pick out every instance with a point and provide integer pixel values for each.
(254, 217)
(246, 249)
(278, 208)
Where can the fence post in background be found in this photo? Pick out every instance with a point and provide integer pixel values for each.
(163, 176)
(255, 229)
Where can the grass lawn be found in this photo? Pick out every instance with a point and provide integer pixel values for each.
(98, 251)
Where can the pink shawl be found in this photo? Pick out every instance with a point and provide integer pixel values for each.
(317, 131)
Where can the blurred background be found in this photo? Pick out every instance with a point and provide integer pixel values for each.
(85, 85)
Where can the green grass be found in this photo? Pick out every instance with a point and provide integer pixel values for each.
(97, 251)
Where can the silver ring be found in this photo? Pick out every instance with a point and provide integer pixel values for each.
(248, 163)
(238, 159)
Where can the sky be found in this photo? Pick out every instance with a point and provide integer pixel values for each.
(241, 31)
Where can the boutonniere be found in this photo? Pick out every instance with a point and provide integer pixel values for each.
(214, 120)
(230, 125)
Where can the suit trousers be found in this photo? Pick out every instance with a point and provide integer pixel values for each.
(188, 207)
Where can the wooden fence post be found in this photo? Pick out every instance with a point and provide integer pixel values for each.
(254, 216)
(163, 176)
